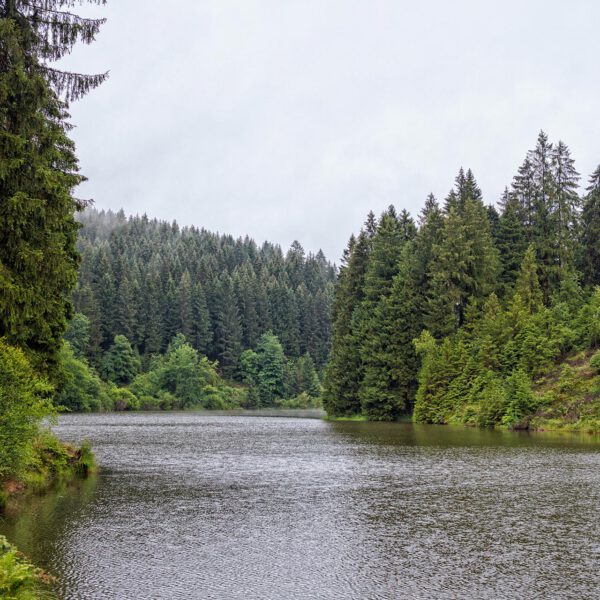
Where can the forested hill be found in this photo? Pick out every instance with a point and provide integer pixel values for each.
(462, 315)
(150, 280)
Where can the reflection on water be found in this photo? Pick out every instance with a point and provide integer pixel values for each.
(199, 506)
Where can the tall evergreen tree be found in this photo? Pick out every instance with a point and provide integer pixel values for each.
(566, 207)
(590, 238)
(228, 338)
(38, 172)
(388, 355)
(511, 239)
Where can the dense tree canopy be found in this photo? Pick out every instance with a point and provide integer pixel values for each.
(459, 317)
(149, 280)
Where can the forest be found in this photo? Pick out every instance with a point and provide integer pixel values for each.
(170, 317)
(475, 315)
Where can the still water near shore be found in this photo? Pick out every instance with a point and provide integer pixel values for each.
(192, 505)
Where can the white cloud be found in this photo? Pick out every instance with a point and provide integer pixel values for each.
(292, 119)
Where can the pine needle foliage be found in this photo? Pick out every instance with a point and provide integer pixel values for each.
(50, 32)
(38, 173)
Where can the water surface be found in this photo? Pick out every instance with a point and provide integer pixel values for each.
(190, 505)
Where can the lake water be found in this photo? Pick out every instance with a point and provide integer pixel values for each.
(189, 505)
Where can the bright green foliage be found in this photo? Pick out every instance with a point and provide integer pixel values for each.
(520, 400)
(181, 379)
(120, 364)
(82, 389)
(271, 369)
(528, 285)
(24, 400)
(595, 362)
(184, 374)
(123, 399)
(249, 368)
(19, 579)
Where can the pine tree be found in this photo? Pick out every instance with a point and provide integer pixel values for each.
(590, 239)
(566, 207)
(120, 364)
(185, 306)
(511, 241)
(464, 269)
(545, 191)
(388, 354)
(343, 373)
(528, 285)
(228, 334)
(201, 325)
(48, 34)
(38, 171)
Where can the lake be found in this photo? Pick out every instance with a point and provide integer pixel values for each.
(195, 505)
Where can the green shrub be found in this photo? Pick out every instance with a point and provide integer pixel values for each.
(24, 401)
(19, 579)
(595, 362)
(123, 399)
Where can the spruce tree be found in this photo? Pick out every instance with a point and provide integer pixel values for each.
(344, 370)
(388, 354)
(38, 172)
(511, 240)
(590, 238)
(566, 207)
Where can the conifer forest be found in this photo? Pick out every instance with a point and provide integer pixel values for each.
(475, 314)
(190, 412)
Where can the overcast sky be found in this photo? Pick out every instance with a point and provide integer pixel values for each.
(291, 119)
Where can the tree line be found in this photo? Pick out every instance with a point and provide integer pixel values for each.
(471, 302)
(218, 312)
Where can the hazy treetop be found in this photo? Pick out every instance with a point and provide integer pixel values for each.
(289, 120)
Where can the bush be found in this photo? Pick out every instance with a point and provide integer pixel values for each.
(19, 579)
(123, 399)
(82, 390)
(24, 401)
(595, 362)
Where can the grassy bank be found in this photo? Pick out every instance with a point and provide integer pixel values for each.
(49, 461)
(569, 396)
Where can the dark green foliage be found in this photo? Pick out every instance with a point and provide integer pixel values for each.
(461, 319)
(589, 255)
(38, 170)
(149, 280)
(388, 356)
(120, 364)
